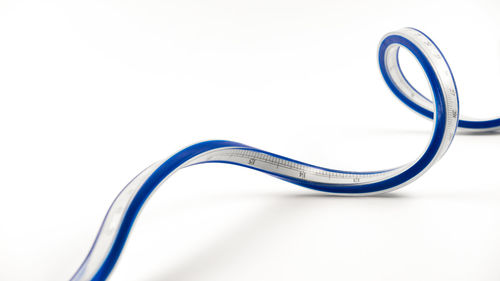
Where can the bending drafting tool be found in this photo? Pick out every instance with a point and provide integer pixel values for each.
(443, 110)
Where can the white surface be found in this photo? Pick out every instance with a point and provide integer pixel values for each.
(93, 92)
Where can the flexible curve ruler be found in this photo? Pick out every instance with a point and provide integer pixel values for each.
(443, 110)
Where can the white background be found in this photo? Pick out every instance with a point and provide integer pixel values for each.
(91, 92)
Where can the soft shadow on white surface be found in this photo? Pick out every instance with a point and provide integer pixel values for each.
(399, 132)
(481, 134)
(220, 252)
(216, 259)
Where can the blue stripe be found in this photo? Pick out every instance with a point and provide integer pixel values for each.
(469, 124)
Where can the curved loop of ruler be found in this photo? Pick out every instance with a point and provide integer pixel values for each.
(421, 104)
(444, 111)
